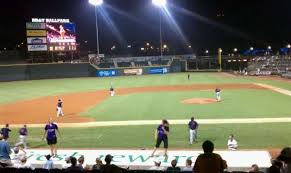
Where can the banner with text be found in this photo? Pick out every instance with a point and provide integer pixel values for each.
(138, 71)
(158, 70)
(241, 159)
(32, 25)
(36, 33)
(36, 40)
(34, 48)
(106, 73)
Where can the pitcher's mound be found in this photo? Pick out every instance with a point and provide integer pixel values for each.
(199, 101)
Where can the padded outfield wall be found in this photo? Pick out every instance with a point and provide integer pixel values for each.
(45, 71)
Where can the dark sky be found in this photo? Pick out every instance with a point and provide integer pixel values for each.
(245, 22)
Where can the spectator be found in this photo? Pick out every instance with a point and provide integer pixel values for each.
(232, 143)
(67, 162)
(49, 164)
(73, 166)
(285, 157)
(276, 167)
(209, 162)
(109, 168)
(254, 169)
(97, 165)
(157, 166)
(5, 151)
(5, 132)
(19, 153)
(188, 167)
(173, 167)
(25, 164)
(81, 161)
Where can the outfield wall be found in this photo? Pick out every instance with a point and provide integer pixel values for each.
(45, 71)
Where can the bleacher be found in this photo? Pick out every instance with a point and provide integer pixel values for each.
(124, 64)
(106, 65)
(160, 62)
(141, 63)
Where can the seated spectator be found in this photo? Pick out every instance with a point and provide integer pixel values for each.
(74, 166)
(232, 143)
(97, 165)
(67, 162)
(5, 151)
(276, 167)
(49, 164)
(110, 168)
(209, 162)
(81, 161)
(19, 153)
(25, 164)
(254, 169)
(285, 157)
(174, 166)
(188, 167)
(157, 166)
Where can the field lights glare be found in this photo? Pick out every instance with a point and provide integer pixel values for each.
(160, 3)
(96, 2)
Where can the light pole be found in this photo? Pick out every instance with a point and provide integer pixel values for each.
(96, 3)
(160, 4)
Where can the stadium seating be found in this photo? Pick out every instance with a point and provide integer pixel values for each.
(14, 170)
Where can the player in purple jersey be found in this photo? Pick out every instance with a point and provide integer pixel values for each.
(193, 126)
(51, 136)
(5, 132)
(22, 137)
(161, 135)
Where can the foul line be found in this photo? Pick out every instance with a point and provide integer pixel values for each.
(176, 122)
(276, 89)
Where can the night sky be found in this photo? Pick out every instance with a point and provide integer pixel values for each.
(206, 24)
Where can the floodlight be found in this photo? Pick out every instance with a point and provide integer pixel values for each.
(96, 2)
(269, 47)
(289, 46)
(160, 3)
(235, 49)
(251, 48)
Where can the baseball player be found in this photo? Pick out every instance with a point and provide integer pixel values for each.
(218, 95)
(60, 108)
(161, 135)
(5, 132)
(188, 76)
(193, 126)
(111, 91)
(22, 137)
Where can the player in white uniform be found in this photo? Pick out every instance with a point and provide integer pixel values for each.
(60, 108)
(218, 94)
(232, 143)
(111, 91)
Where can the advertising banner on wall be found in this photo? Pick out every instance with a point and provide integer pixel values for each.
(158, 70)
(32, 25)
(34, 48)
(106, 73)
(36, 40)
(61, 32)
(138, 71)
(36, 33)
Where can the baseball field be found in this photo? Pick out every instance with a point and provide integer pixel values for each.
(256, 110)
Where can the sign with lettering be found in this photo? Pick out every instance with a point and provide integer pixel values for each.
(242, 159)
(36, 33)
(36, 40)
(40, 47)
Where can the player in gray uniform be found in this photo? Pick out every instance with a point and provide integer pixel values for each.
(218, 95)
(60, 108)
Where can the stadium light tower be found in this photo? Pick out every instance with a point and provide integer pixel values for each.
(96, 3)
(161, 4)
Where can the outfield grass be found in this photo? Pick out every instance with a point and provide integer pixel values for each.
(13, 91)
(249, 136)
(159, 105)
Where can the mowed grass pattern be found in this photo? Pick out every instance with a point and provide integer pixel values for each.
(22, 90)
(249, 136)
(159, 105)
